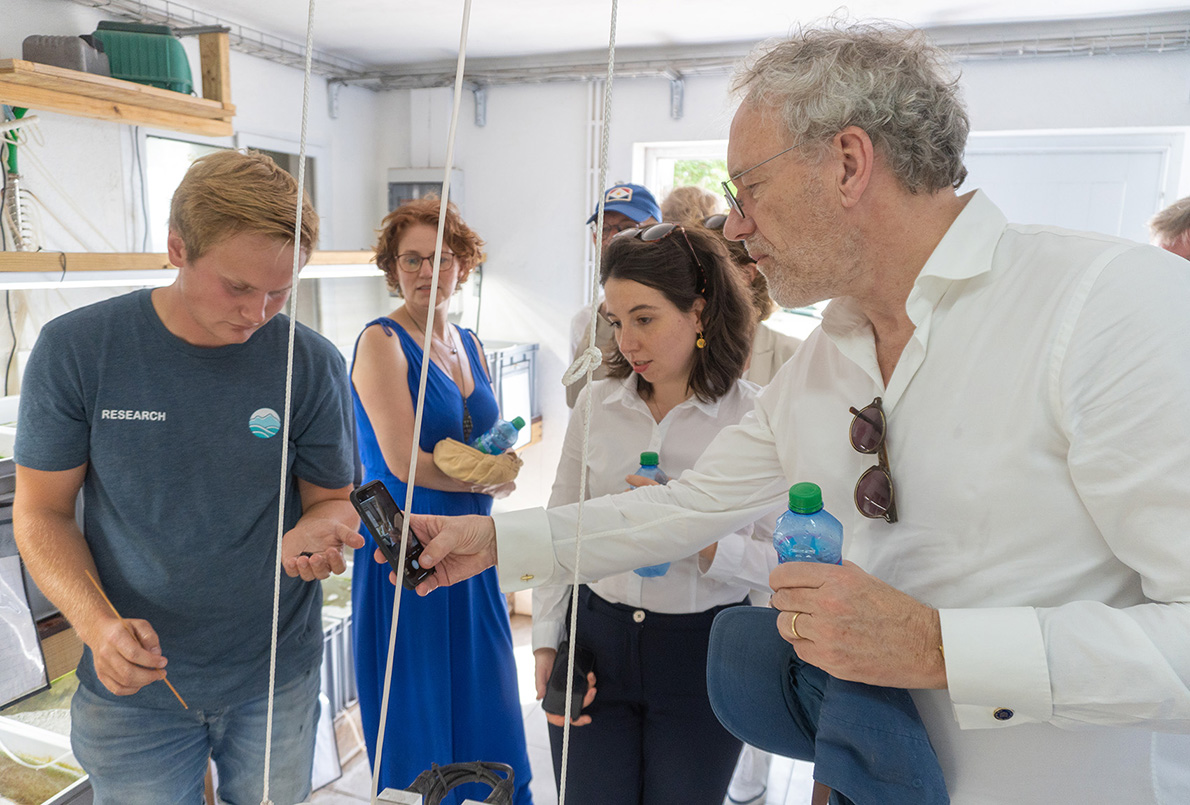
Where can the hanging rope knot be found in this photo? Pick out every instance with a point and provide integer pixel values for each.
(587, 361)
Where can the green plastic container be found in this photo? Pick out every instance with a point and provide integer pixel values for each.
(146, 54)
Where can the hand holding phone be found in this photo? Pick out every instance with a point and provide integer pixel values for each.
(384, 520)
(555, 691)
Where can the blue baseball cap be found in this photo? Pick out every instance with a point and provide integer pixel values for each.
(867, 743)
(630, 199)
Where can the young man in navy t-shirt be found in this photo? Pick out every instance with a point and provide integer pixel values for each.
(165, 408)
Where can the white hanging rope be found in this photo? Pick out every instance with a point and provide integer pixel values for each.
(586, 364)
(293, 295)
(421, 393)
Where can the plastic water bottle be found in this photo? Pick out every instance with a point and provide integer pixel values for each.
(502, 436)
(649, 469)
(807, 532)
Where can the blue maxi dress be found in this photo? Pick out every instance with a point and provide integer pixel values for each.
(454, 692)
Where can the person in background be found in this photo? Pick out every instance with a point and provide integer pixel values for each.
(682, 322)
(624, 207)
(454, 696)
(164, 408)
(1002, 404)
(690, 205)
(770, 348)
(1170, 228)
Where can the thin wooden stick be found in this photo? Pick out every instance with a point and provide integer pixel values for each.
(130, 631)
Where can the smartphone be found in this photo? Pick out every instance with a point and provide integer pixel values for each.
(384, 519)
(555, 690)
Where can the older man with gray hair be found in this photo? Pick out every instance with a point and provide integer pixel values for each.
(1015, 494)
(1170, 228)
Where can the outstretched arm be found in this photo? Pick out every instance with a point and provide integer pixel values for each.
(313, 548)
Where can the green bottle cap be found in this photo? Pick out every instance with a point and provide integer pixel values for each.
(518, 423)
(649, 459)
(805, 498)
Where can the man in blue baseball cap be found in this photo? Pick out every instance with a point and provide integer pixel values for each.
(624, 206)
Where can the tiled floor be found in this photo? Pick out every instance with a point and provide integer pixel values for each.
(789, 781)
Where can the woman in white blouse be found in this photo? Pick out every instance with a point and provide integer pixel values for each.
(683, 324)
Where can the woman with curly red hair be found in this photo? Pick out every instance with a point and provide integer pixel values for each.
(454, 692)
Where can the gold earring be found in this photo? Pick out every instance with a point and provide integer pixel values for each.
(700, 342)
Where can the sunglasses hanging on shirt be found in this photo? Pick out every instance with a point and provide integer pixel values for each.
(874, 495)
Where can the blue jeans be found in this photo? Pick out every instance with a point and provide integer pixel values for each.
(143, 756)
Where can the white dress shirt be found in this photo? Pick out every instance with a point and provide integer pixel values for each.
(1040, 446)
(770, 351)
(622, 427)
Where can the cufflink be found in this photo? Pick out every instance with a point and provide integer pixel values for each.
(1002, 714)
(527, 577)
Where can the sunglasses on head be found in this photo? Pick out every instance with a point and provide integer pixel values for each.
(874, 495)
(656, 232)
(715, 222)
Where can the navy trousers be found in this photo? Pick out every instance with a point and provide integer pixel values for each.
(653, 738)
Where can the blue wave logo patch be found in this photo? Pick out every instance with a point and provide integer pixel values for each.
(264, 423)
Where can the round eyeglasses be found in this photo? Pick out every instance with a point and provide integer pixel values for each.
(874, 495)
(410, 262)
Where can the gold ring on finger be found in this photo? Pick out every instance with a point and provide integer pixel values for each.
(793, 626)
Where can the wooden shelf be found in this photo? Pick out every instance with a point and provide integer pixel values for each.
(55, 89)
(140, 261)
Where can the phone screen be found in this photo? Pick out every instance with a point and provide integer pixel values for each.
(384, 521)
(384, 525)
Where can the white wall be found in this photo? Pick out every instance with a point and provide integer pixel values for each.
(1136, 90)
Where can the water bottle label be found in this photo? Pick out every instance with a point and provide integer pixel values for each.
(806, 538)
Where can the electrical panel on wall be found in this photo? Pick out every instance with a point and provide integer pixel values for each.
(407, 184)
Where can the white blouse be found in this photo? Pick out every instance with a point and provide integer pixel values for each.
(622, 427)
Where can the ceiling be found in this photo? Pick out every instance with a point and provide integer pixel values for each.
(379, 33)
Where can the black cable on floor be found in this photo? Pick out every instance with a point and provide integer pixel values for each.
(438, 781)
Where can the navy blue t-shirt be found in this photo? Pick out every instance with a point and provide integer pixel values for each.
(183, 446)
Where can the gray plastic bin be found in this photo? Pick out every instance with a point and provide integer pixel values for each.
(71, 52)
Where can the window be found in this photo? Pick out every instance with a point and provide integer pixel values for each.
(665, 165)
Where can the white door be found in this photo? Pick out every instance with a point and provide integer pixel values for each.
(1099, 182)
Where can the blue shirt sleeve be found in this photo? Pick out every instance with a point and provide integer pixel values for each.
(53, 426)
(323, 428)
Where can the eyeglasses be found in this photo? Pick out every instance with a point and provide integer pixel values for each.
(874, 496)
(656, 232)
(611, 230)
(732, 201)
(410, 262)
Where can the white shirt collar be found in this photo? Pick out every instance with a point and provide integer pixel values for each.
(964, 252)
(626, 394)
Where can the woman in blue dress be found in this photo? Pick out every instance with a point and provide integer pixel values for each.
(454, 693)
